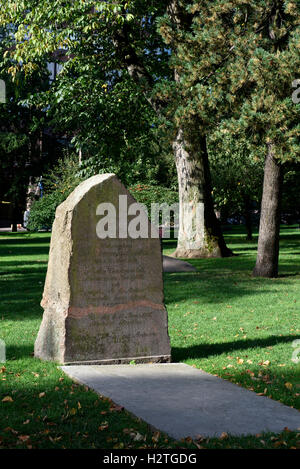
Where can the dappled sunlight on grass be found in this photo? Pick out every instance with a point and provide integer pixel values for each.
(228, 323)
(220, 320)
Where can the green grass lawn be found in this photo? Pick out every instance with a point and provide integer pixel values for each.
(220, 320)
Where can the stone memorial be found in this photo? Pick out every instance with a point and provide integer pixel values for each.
(103, 296)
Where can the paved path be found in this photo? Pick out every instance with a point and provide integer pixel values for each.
(183, 401)
(8, 230)
(170, 264)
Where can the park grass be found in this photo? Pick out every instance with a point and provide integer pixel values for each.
(220, 320)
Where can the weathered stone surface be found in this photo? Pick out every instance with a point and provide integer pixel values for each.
(103, 298)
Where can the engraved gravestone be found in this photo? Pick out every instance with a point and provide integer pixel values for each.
(103, 295)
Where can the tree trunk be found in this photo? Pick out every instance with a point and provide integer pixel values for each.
(200, 232)
(269, 227)
(248, 218)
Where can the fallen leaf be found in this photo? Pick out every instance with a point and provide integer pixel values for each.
(7, 399)
(23, 438)
(9, 429)
(116, 408)
(119, 446)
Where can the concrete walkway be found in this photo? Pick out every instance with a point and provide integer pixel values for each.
(183, 401)
(170, 264)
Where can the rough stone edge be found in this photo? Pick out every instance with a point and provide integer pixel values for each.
(124, 361)
(81, 190)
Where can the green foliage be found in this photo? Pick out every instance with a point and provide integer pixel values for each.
(237, 172)
(147, 194)
(93, 100)
(58, 184)
(64, 177)
(237, 61)
(21, 153)
(42, 212)
(115, 127)
(60, 181)
(291, 193)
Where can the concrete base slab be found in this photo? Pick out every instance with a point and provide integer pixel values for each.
(183, 401)
(176, 265)
(124, 361)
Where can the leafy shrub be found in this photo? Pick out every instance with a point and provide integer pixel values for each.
(147, 194)
(58, 184)
(63, 179)
(42, 213)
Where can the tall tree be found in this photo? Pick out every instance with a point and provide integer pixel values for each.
(237, 175)
(268, 241)
(252, 59)
(20, 130)
(276, 64)
(121, 37)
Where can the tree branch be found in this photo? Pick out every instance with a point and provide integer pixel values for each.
(135, 67)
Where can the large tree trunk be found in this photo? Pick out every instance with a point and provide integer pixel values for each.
(268, 241)
(200, 232)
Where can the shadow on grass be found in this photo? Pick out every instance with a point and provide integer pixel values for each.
(15, 238)
(289, 275)
(22, 281)
(16, 352)
(170, 244)
(23, 250)
(21, 292)
(23, 244)
(209, 287)
(206, 350)
(22, 263)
